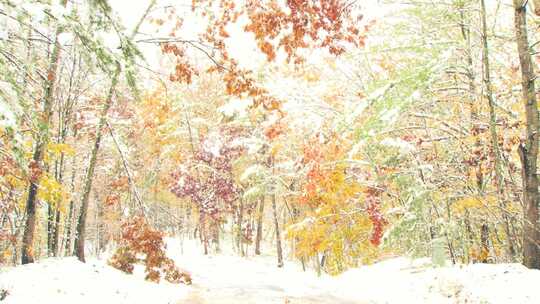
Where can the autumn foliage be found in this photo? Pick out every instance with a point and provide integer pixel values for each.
(142, 244)
(344, 219)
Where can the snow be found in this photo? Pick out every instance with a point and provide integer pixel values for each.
(3, 33)
(58, 10)
(227, 278)
(253, 193)
(308, 221)
(36, 10)
(236, 106)
(254, 170)
(403, 146)
(213, 144)
(66, 280)
(416, 281)
(65, 38)
(7, 117)
(390, 116)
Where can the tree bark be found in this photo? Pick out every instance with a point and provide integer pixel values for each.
(484, 240)
(260, 216)
(68, 234)
(528, 150)
(51, 220)
(69, 222)
(278, 236)
(59, 174)
(276, 221)
(203, 232)
(239, 232)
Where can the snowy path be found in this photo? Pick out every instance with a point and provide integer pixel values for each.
(232, 279)
(229, 296)
(227, 285)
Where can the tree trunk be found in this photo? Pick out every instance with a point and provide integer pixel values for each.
(317, 264)
(59, 173)
(528, 150)
(470, 235)
(39, 151)
(215, 233)
(239, 232)
(51, 220)
(278, 236)
(260, 216)
(203, 233)
(56, 239)
(69, 222)
(276, 221)
(275, 213)
(68, 234)
(484, 240)
(493, 131)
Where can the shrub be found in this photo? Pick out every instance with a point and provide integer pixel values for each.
(140, 243)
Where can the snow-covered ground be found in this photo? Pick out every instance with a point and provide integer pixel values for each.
(66, 280)
(231, 279)
(227, 278)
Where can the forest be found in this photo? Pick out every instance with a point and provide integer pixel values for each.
(269, 151)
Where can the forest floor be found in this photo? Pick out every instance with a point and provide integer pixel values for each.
(226, 278)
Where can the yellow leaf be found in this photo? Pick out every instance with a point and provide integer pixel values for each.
(467, 203)
(52, 192)
(58, 149)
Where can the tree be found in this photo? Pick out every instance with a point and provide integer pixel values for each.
(528, 150)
